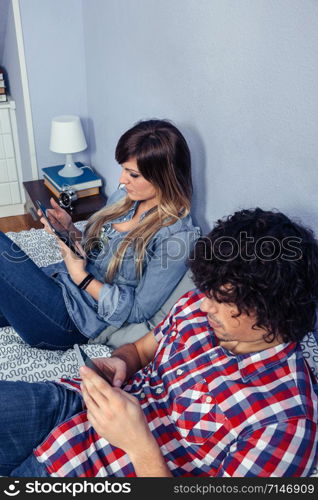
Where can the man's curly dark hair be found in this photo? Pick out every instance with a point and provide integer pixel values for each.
(265, 264)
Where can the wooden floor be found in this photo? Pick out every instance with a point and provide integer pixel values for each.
(18, 223)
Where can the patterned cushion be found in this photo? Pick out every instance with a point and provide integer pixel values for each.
(310, 350)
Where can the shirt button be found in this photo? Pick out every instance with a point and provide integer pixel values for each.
(159, 390)
(179, 372)
(208, 399)
(173, 334)
(142, 395)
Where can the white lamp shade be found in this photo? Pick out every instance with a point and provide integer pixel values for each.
(67, 135)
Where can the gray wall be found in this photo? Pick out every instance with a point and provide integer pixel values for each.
(54, 52)
(240, 78)
(10, 61)
(4, 8)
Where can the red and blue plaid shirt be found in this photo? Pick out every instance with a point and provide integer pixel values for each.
(213, 413)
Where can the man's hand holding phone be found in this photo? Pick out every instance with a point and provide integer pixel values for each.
(117, 416)
(113, 370)
(117, 365)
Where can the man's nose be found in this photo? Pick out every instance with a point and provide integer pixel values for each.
(208, 306)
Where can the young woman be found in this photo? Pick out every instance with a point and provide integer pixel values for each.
(135, 250)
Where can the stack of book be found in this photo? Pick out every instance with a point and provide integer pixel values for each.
(3, 93)
(87, 184)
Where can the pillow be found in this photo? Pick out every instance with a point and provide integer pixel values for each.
(115, 337)
(309, 346)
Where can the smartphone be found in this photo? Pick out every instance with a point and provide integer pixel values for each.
(84, 360)
(63, 234)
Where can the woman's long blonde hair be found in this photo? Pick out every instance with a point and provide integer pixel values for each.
(163, 158)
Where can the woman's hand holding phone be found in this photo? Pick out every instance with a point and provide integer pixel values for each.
(53, 226)
(59, 217)
(55, 218)
(72, 251)
(74, 263)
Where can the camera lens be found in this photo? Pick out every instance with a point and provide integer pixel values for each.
(65, 198)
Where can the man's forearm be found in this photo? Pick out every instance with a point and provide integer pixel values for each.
(138, 354)
(129, 354)
(150, 461)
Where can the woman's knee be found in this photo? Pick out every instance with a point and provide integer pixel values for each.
(10, 252)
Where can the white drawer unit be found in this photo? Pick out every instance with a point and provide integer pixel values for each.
(11, 190)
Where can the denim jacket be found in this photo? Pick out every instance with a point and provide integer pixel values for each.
(128, 298)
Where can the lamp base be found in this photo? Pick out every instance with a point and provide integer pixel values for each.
(70, 169)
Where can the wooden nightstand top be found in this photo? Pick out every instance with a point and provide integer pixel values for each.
(83, 207)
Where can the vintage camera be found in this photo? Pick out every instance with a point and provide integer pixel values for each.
(67, 196)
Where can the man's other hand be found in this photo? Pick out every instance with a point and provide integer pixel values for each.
(115, 414)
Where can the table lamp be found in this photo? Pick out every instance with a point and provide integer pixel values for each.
(67, 137)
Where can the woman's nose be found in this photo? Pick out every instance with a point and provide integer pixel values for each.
(123, 178)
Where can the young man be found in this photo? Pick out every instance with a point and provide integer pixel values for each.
(219, 388)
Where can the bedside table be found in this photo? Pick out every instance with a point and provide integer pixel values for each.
(83, 207)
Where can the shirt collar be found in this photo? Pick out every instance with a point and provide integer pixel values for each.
(131, 212)
(133, 208)
(252, 364)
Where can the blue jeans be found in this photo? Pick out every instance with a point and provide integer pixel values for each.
(28, 414)
(32, 302)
